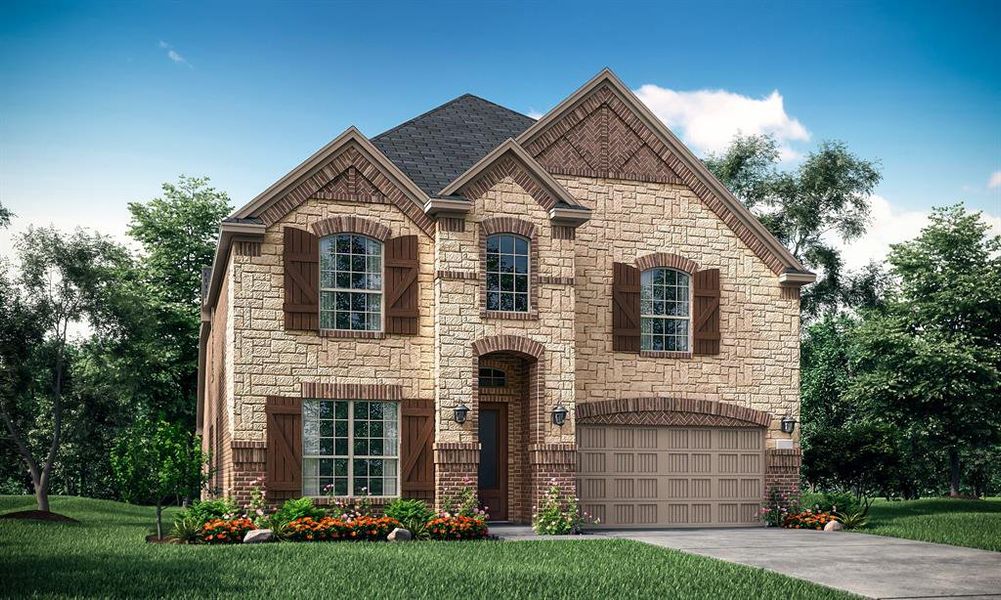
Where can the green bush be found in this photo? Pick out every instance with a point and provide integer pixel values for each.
(839, 502)
(293, 509)
(205, 510)
(187, 529)
(413, 515)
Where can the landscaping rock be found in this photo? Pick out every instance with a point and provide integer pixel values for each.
(833, 526)
(259, 536)
(399, 535)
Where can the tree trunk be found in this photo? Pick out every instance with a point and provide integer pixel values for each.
(159, 522)
(954, 472)
(42, 497)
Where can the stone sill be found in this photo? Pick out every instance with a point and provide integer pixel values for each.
(343, 333)
(664, 354)
(532, 315)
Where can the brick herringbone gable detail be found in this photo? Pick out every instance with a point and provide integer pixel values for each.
(668, 261)
(590, 410)
(666, 418)
(351, 391)
(351, 224)
(508, 343)
(572, 146)
(509, 167)
(349, 170)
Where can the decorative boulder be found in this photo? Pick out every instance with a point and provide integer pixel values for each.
(399, 535)
(259, 536)
(833, 526)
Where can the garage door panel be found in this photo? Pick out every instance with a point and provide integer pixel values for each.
(671, 476)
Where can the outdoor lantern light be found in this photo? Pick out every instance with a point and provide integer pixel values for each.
(788, 424)
(559, 415)
(459, 413)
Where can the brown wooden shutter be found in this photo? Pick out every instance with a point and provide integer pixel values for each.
(301, 255)
(705, 313)
(416, 454)
(625, 308)
(284, 454)
(402, 265)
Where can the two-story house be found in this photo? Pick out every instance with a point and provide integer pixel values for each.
(478, 296)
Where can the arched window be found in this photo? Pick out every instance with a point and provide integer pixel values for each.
(350, 282)
(665, 310)
(507, 273)
(490, 377)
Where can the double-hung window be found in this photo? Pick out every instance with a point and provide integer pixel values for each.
(350, 448)
(507, 273)
(665, 310)
(350, 283)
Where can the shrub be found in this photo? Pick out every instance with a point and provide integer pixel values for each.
(413, 515)
(457, 528)
(779, 505)
(223, 531)
(559, 514)
(187, 529)
(464, 502)
(308, 529)
(207, 510)
(853, 520)
(352, 508)
(294, 509)
(807, 519)
(829, 502)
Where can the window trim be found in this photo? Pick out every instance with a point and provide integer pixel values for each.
(495, 374)
(687, 352)
(350, 456)
(517, 227)
(528, 274)
(335, 331)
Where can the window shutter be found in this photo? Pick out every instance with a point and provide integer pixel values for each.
(416, 442)
(301, 256)
(284, 455)
(705, 314)
(402, 265)
(625, 308)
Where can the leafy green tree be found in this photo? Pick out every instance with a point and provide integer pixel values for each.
(64, 283)
(827, 193)
(158, 462)
(5, 216)
(178, 234)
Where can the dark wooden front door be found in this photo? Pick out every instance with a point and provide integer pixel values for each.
(492, 482)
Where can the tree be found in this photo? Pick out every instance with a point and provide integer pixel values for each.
(64, 283)
(5, 216)
(158, 462)
(828, 193)
(178, 234)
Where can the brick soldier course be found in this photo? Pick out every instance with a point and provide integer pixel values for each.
(601, 191)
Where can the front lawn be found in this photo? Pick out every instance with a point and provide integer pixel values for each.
(105, 556)
(971, 523)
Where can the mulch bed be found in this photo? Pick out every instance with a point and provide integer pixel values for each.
(39, 515)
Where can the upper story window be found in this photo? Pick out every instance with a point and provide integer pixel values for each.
(350, 283)
(507, 273)
(665, 310)
(350, 448)
(490, 377)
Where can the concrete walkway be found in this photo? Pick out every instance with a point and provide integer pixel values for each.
(868, 565)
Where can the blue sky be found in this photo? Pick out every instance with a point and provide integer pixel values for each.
(101, 102)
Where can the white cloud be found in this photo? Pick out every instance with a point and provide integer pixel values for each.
(889, 225)
(172, 54)
(708, 120)
(994, 181)
(534, 114)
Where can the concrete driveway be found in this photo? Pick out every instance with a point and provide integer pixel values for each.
(868, 565)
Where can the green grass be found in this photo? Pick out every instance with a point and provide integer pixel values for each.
(971, 523)
(106, 556)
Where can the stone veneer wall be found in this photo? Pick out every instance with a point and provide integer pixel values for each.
(758, 364)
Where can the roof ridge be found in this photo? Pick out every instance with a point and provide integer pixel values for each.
(443, 105)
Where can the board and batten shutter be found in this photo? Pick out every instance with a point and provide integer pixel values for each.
(401, 290)
(705, 313)
(625, 308)
(301, 258)
(283, 471)
(416, 449)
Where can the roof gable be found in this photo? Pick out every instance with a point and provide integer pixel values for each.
(604, 130)
(438, 146)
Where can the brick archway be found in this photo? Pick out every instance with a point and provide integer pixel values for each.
(509, 343)
(670, 411)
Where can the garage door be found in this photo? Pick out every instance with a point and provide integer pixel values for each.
(633, 476)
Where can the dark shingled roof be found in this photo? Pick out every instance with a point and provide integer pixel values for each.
(438, 146)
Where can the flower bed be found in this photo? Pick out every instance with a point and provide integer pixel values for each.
(225, 531)
(808, 519)
(308, 529)
(457, 528)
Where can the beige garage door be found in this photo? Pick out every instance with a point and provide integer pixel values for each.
(633, 476)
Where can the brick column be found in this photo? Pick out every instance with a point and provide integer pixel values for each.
(548, 462)
(783, 470)
(249, 464)
(455, 466)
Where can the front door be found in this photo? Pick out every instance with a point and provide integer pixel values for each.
(492, 480)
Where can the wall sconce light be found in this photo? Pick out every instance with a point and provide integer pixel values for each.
(459, 413)
(788, 424)
(559, 415)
